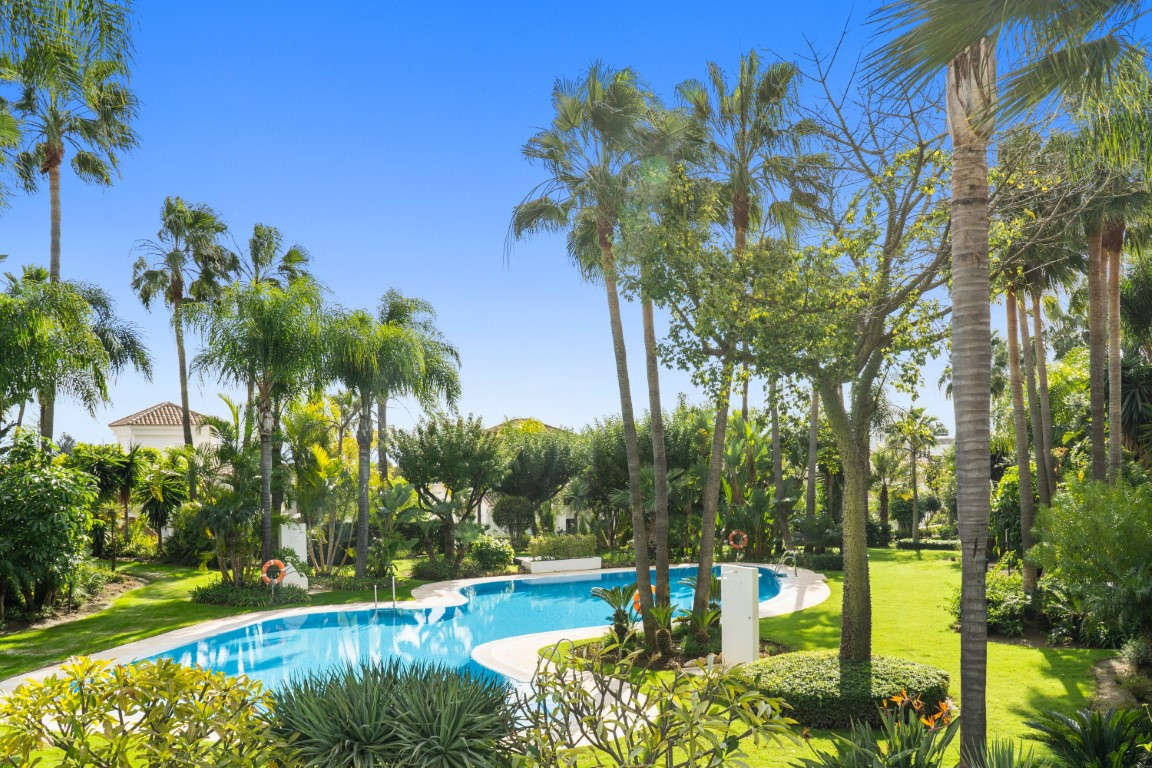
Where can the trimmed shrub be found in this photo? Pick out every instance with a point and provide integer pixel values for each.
(562, 547)
(1008, 606)
(939, 544)
(146, 713)
(618, 558)
(825, 692)
(250, 595)
(434, 570)
(384, 714)
(820, 561)
(491, 553)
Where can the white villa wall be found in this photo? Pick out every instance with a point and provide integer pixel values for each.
(160, 437)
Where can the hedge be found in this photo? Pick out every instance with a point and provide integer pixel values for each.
(825, 692)
(823, 561)
(249, 595)
(947, 544)
(562, 546)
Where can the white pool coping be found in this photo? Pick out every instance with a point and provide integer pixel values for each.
(513, 657)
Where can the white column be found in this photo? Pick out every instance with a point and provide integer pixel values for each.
(294, 536)
(739, 614)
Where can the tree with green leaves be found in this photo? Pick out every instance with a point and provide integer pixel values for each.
(103, 26)
(271, 336)
(452, 463)
(363, 355)
(541, 461)
(1066, 50)
(185, 263)
(438, 380)
(587, 156)
(162, 489)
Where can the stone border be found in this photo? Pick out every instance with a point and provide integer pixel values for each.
(513, 657)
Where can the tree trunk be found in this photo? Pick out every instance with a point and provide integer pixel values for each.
(631, 442)
(185, 411)
(1097, 349)
(659, 459)
(1042, 382)
(884, 505)
(778, 468)
(47, 396)
(1020, 427)
(112, 528)
(277, 470)
(970, 94)
(382, 439)
(363, 471)
(712, 490)
(852, 443)
(1112, 245)
(1042, 474)
(813, 447)
(265, 479)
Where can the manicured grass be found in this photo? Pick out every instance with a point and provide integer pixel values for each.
(909, 620)
(159, 606)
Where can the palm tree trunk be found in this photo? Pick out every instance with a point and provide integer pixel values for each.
(1112, 245)
(265, 479)
(1097, 346)
(712, 490)
(778, 468)
(185, 410)
(1042, 474)
(813, 447)
(363, 471)
(884, 506)
(852, 443)
(1020, 427)
(659, 458)
(915, 500)
(631, 441)
(970, 94)
(1042, 382)
(20, 414)
(382, 439)
(47, 396)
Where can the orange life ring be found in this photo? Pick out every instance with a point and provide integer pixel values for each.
(636, 599)
(737, 539)
(279, 574)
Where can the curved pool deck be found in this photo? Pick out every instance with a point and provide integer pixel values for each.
(513, 657)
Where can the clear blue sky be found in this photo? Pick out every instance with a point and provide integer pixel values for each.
(386, 139)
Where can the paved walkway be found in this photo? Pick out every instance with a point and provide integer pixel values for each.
(514, 657)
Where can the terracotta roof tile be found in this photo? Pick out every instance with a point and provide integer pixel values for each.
(160, 415)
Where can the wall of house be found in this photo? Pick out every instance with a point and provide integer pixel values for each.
(159, 437)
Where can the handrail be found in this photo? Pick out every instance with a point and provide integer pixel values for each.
(789, 554)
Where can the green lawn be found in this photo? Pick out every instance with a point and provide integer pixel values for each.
(909, 620)
(159, 606)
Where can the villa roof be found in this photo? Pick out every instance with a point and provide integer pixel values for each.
(159, 415)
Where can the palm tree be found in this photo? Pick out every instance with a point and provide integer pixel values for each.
(68, 100)
(102, 26)
(439, 377)
(1065, 51)
(271, 336)
(161, 491)
(887, 464)
(365, 355)
(813, 452)
(267, 261)
(1020, 428)
(586, 153)
(916, 431)
(185, 263)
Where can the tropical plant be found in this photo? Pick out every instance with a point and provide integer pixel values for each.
(541, 461)
(619, 600)
(515, 515)
(271, 336)
(586, 154)
(916, 432)
(1093, 739)
(388, 714)
(185, 263)
(146, 713)
(160, 492)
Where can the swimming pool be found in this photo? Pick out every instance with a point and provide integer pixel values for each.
(276, 649)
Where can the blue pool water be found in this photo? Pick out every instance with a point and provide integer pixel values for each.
(276, 649)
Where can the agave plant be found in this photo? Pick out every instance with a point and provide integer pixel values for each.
(619, 599)
(1002, 754)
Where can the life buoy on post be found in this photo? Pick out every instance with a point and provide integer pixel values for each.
(280, 571)
(737, 539)
(636, 599)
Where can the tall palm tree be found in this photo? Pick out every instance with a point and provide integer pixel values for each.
(185, 263)
(586, 154)
(363, 354)
(438, 379)
(813, 451)
(271, 336)
(756, 153)
(887, 464)
(162, 489)
(1058, 50)
(68, 100)
(916, 431)
(268, 261)
(103, 26)
(1020, 428)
